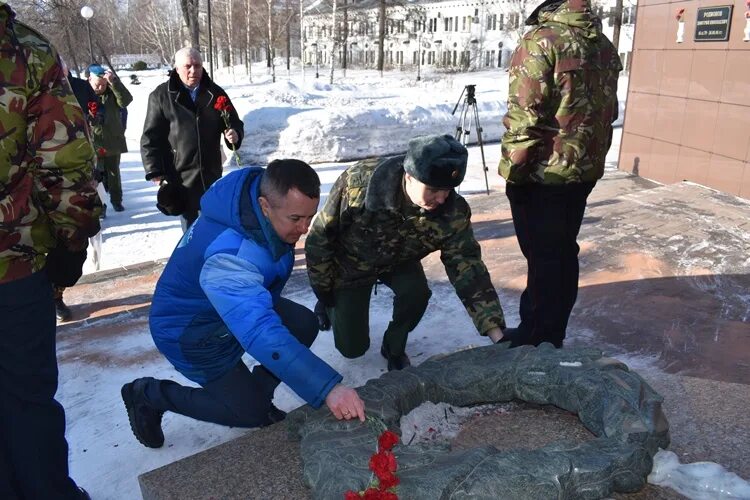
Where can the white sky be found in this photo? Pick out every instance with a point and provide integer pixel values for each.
(361, 115)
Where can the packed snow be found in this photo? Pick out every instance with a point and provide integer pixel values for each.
(361, 115)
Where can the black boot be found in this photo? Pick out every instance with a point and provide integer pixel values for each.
(275, 415)
(117, 205)
(395, 361)
(145, 422)
(62, 311)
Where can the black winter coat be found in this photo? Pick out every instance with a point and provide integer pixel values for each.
(180, 138)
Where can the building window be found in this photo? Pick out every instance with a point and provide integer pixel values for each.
(447, 24)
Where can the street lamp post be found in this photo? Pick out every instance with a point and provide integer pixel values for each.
(87, 13)
(314, 45)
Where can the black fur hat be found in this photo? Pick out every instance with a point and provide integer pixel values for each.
(438, 161)
(169, 199)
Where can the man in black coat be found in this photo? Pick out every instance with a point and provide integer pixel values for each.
(180, 142)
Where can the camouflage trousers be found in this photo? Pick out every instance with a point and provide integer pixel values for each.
(350, 317)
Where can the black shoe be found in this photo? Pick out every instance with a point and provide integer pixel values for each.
(118, 206)
(83, 494)
(395, 362)
(62, 311)
(145, 422)
(275, 415)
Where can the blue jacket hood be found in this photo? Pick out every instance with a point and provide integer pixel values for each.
(232, 201)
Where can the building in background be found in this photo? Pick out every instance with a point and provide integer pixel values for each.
(450, 34)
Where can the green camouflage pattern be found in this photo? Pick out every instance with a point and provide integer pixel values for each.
(359, 235)
(562, 100)
(107, 129)
(46, 194)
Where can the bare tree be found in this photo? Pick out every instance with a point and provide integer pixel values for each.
(190, 14)
(333, 39)
(381, 36)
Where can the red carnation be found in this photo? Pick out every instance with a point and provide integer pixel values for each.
(222, 104)
(383, 463)
(101, 152)
(387, 440)
(350, 495)
(680, 12)
(93, 107)
(388, 481)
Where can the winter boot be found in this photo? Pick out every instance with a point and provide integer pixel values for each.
(145, 422)
(62, 312)
(275, 415)
(395, 361)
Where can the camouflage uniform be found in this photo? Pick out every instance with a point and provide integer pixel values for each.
(108, 131)
(562, 99)
(369, 229)
(46, 201)
(561, 105)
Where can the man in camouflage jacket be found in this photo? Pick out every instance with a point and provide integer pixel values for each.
(561, 105)
(108, 128)
(48, 209)
(382, 216)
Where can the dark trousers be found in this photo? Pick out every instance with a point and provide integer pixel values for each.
(33, 450)
(350, 317)
(110, 165)
(547, 220)
(240, 398)
(187, 219)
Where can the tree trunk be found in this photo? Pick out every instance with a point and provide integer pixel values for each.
(248, 58)
(190, 13)
(333, 39)
(617, 24)
(302, 39)
(381, 38)
(345, 40)
(229, 36)
(269, 46)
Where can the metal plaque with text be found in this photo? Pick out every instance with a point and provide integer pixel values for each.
(713, 23)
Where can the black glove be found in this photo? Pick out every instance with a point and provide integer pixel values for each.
(98, 175)
(324, 322)
(65, 267)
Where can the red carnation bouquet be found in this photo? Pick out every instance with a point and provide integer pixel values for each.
(383, 480)
(222, 106)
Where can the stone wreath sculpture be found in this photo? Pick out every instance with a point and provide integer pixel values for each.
(615, 404)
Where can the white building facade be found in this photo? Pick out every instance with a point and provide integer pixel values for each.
(457, 35)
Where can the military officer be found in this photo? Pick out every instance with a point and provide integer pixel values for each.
(383, 215)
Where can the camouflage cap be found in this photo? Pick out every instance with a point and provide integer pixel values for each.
(438, 161)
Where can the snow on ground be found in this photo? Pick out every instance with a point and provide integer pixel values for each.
(359, 116)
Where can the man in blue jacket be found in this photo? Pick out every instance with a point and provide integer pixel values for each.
(220, 296)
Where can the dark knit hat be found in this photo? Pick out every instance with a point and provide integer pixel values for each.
(438, 161)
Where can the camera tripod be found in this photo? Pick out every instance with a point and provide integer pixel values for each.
(463, 129)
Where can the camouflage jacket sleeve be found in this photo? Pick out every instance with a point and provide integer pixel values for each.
(64, 157)
(122, 94)
(462, 258)
(531, 82)
(321, 240)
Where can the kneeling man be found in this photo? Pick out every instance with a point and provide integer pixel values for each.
(383, 215)
(220, 296)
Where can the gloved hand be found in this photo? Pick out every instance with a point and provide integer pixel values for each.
(324, 322)
(65, 267)
(98, 175)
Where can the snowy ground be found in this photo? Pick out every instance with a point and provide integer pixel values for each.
(359, 116)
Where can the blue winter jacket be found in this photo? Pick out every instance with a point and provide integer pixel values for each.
(215, 298)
